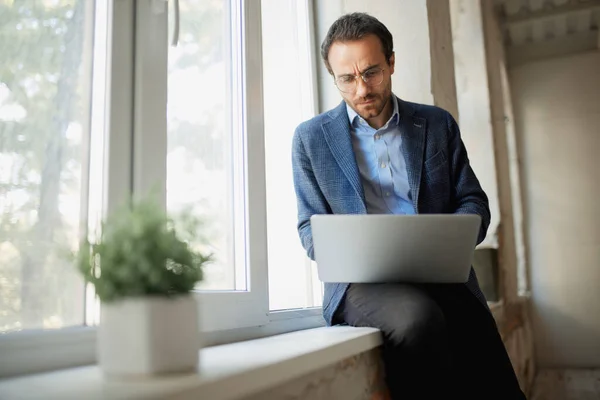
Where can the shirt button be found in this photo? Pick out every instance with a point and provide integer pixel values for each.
(387, 193)
(383, 165)
(377, 136)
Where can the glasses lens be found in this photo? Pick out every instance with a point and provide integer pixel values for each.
(346, 86)
(373, 77)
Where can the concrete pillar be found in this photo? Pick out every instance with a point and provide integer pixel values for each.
(512, 257)
(474, 102)
(443, 85)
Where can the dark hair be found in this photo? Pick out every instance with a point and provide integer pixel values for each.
(356, 26)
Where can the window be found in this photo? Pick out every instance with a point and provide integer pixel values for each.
(65, 153)
(95, 106)
(205, 160)
(214, 152)
(46, 105)
(216, 160)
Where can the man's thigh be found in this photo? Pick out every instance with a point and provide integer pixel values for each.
(441, 323)
(403, 312)
(398, 305)
(415, 340)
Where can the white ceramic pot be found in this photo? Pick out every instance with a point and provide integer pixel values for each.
(148, 336)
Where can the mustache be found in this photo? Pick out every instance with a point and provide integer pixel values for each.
(369, 97)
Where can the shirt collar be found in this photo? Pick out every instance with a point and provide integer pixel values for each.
(353, 117)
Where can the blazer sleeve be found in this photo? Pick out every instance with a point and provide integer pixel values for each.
(469, 197)
(309, 197)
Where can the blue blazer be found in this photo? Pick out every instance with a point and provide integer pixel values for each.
(327, 181)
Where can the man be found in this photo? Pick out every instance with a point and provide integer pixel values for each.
(374, 154)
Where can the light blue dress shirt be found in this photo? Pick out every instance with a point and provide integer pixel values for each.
(381, 164)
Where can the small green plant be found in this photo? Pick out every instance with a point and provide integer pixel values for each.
(142, 251)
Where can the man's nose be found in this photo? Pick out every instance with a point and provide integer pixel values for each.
(361, 87)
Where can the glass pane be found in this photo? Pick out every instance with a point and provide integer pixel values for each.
(204, 134)
(293, 282)
(45, 101)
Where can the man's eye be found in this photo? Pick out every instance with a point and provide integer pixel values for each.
(370, 74)
(346, 79)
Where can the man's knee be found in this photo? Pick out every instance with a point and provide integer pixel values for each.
(405, 314)
(417, 323)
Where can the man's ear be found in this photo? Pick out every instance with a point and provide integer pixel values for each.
(392, 62)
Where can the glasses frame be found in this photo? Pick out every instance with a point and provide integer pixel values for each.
(362, 76)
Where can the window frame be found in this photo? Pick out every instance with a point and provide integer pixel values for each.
(135, 137)
(236, 309)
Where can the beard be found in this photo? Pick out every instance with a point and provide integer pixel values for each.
(376, 102)
(375, 105)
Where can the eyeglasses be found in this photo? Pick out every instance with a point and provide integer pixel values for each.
(349, 83)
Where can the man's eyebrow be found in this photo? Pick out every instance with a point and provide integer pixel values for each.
(369, 67)
(361, 72)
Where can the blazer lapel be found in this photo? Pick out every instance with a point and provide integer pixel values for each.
(337, 136)
(413, 146)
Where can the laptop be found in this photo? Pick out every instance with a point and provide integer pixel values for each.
(382, 248)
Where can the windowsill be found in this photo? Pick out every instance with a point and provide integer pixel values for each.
(34, 352)
(226, 372)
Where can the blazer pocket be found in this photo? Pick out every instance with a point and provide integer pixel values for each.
(435, 162)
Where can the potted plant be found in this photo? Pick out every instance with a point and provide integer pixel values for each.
(144, 268)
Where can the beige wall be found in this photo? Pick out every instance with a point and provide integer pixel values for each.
(557, 114)
(407, 21)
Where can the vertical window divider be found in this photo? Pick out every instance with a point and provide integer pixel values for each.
(150, 99)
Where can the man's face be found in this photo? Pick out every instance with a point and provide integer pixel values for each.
(353, 58)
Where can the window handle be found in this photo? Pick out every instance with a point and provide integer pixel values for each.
(158, 7)
(175, 38)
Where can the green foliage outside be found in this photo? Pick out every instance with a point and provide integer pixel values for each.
(45, 80)
(42, 112)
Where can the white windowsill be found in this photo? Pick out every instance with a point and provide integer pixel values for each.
(36, 351)
(226, 372)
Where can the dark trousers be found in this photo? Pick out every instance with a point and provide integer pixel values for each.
(439, 341)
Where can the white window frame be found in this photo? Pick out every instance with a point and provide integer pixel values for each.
(136, 97)
(248, 308)
(236, 309)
